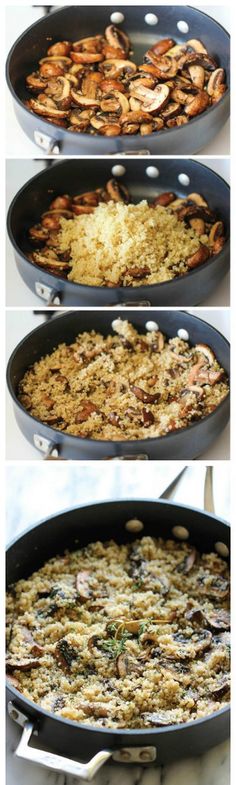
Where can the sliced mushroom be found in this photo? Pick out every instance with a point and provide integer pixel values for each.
(220, 620)
(197, 74)
(152, 100)
(188, 562)
(203, 348)
(82, 585)
(163, 46)
(117, 192)
(122, 665)
(196, 45)
(83, 100)
(88, 408)
(144, 396)
(38, 233)
(217, 230)
(148, 418)
(22, 663)
(117, 37)
(138, 272)
(164, 199)
(47, 109)
(197, 258)
(112, 129)
(198, 104)
(86, 57)
(49, 70)
(114, 67)
(216, 80)
(202, 59)
(220, 688)
(35, 83)
(61, 48)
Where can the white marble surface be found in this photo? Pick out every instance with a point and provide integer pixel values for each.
(21, 322)
(17, 174)
(36, 491)
(19, 17)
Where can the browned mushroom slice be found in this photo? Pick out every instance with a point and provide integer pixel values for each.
(152, 100)
(163, 46)
(217, 78)
(206, 350)
(89, 44)
(220, 688)
(166, 67)
(21, 663)
(83, 100)
(180, 120)
(202, 59)
(138, 272)
(197, 74)
(47, 109)
(198, 104)
(117, 192)
(86, 57)
(82, 585)
(197, 258)
(61, 203)
(148, 418)
(144, 396)
(218, 245)
(214, 586)
(61, 60)
(217, 230)
(186, 565)
(88, 408)
(115, 67)
(59, 89)
(219, 620)
(190, 211)
(172, 110)
(109, 85)
(196, 45)
(51, 261)
(60, 48)
(117, 38)
(195, 615)
(49, 70)
(13, 681)
(122, 665)
(64, 654)
(35, 83)
(38, 233)
(163, 199)
(112, 129)
(162, 717)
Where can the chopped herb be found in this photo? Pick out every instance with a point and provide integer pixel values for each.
(116, 646)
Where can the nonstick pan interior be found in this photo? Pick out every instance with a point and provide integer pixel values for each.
(72, 176)
(75, 22)
(76, 528)
(185, 443)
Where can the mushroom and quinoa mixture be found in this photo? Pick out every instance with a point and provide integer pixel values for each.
(123, 636)
(93, 86)
(123, 386)
(99, 238)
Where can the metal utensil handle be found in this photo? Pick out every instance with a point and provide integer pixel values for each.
(57, 762)
(208, 491)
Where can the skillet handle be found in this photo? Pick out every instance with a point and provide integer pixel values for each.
(59, 763)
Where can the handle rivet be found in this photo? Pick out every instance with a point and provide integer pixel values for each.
(145, 756)
(134, 525)
(125, 755)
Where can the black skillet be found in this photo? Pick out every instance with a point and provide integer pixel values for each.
(187, 443)
(76, 22)
(76, 528)
(74, 177)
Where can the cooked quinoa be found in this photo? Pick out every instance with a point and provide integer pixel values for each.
(123, 636)
(108, 244)
(123, 386)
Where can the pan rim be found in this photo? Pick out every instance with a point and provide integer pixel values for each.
(142, 443)
(116, 731)
(117, 289)
(84, 136)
